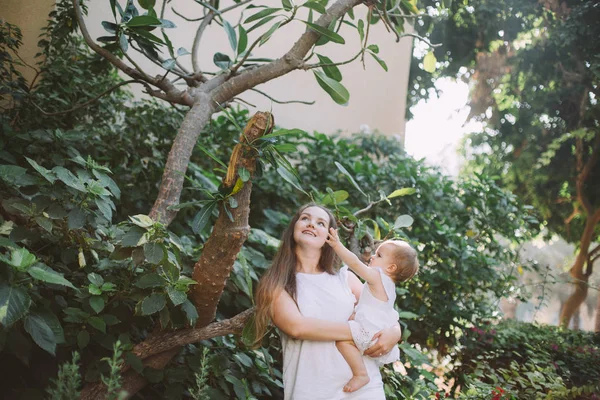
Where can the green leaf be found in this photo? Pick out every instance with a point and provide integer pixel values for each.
(153, 303)
(243, 42)
(222, 60)
(176, 296)
(380, 61)
(267, 35)
(182, 52)
(40, 332)
(147, 4)
(142, 220)
(150, 280)
(135, 362)
(230, 35)
(97, 303)
(144, 20)
(329, 34)
(402, 192)
(338, 197)
(407, 315)
(331, 71)
(208, 153)
(289, 177)
(103, 205)
(403, 221)
(21, 259)
(318, 7)
(190, 311)
(374, 48)
(154, 252)
(288, 5)
(429, 62)
(134, 237)
(98, 323)
(169, 64)
(350, 178)
(166, 24)
(46, 173)
(14, 304)
(336, 90)
(261, 22)
(76, 218)
(95, 279)
(244, 174)
(83, 338)
(46, 274)
(361, 29)
(203, 216)
(69, 179)
(261, 14)
(281, 132)
(123, 44)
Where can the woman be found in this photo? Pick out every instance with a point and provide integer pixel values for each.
(310, 302)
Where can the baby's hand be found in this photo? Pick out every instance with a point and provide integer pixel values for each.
(333, 239)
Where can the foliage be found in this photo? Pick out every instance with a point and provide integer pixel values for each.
(73, 277)
(68, 382)
(526, 361)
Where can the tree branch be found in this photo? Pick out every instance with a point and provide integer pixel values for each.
(282, 102)
(205, 22)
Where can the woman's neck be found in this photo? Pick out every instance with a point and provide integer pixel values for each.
(308, 260)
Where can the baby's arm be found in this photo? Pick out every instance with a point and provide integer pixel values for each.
(371, 276)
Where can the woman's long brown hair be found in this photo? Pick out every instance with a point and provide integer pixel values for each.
(282, 273)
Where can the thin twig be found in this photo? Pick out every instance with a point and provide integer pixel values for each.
(91, 100)
(421, 38)
(282, 102)
(317, 65)
(243, 101)
(196, 45)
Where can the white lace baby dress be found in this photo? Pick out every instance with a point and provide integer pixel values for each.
(373, 315)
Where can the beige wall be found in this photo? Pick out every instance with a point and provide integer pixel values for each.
(30, 16)
(377, 98)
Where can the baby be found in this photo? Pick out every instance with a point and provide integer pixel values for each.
(394, 261)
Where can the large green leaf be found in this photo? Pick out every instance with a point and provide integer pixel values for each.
(176, 296)
(144, 20)
(46, 274)
(329, 34)
(154, 252)
(69, 179)
(150, 280)
(402, 192)
(14, 304)
(350, 178)
(230, 35)
(46, 173)
(201, 219)
(335, 197)
(243, 41)
(190, 311)
(261, 14)
(40, 332)
(336, 90)
(403, 221)
(153, 303)
(331, 71)
(20, 258)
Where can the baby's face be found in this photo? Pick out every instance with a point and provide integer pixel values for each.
(383, 257)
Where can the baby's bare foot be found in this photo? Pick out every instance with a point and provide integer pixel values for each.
(356, 383)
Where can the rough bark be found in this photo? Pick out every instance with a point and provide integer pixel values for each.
(220, 251)
(580, 279)
(597, 325)
(179, 158)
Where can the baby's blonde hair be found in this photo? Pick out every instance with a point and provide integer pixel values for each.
(405, 258)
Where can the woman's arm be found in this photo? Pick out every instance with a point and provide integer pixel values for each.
(387, 339)
(288, 318)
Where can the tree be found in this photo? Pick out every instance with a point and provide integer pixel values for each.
(206, 96)
(535, 75)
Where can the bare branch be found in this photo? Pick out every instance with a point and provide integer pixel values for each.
(78, 106)
(317, 65)
(282, 102)
(421, 38)
(205, 22)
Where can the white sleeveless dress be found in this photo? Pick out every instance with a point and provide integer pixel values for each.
(373, 315)
(316, 370)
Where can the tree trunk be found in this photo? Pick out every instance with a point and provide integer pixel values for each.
(580, 279)
(597, 325)
(211, 271)
(179, 157)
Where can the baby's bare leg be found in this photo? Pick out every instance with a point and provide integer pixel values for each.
(354, 359)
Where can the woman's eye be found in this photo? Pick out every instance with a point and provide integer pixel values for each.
(321, 223)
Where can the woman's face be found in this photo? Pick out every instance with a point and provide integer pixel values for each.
(312, 227)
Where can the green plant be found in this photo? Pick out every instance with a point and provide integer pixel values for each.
(67, 384)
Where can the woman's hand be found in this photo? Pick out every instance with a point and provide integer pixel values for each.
(386, 340)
